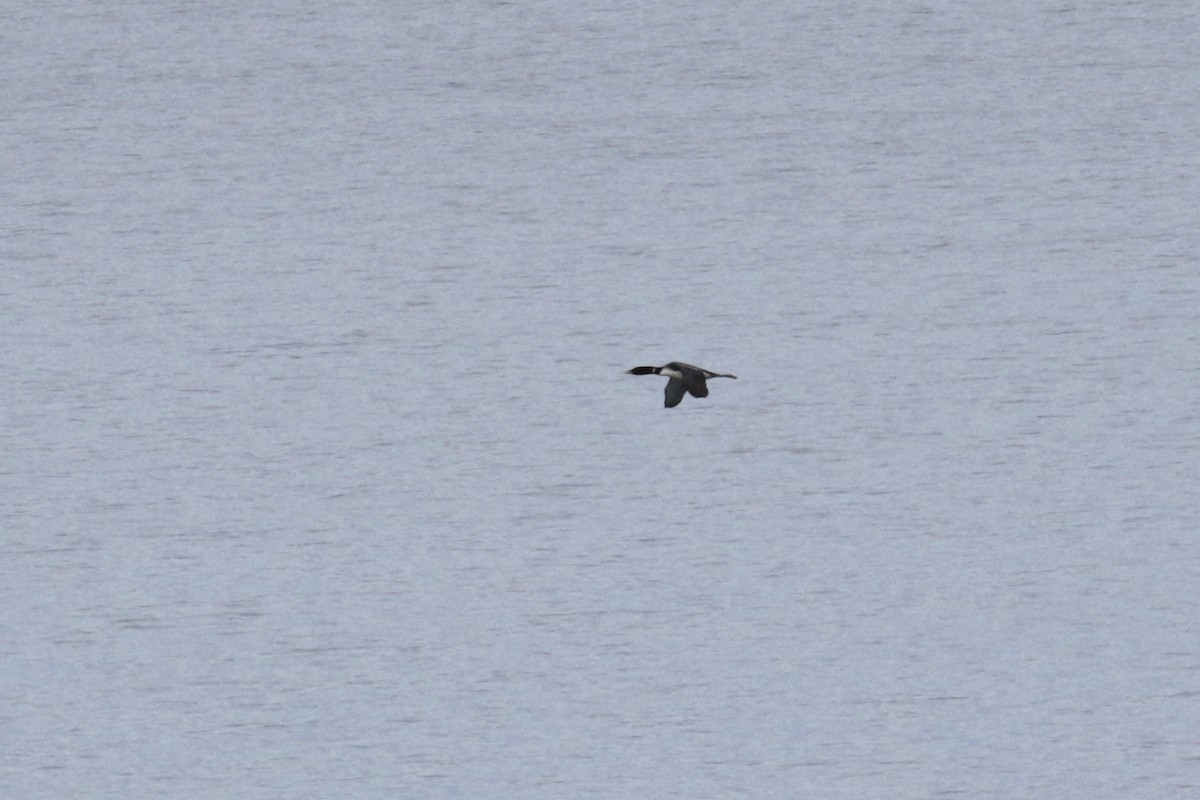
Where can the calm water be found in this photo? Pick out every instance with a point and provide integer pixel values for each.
(321, 477)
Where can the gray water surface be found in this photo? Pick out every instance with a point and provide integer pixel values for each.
(322, 477)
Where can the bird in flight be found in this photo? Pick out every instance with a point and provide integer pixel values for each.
(684, 378)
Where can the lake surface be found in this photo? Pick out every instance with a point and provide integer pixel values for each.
(322, 477)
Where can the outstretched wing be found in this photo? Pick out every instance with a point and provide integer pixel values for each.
(699, 388)
(674, 392)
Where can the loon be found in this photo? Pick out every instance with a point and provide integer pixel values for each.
(684, 378)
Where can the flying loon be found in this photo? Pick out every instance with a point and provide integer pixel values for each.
(684, 378)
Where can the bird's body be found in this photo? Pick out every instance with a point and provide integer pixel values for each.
(684, 379)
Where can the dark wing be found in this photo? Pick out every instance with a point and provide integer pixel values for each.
(674, 392)
(698, 388)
